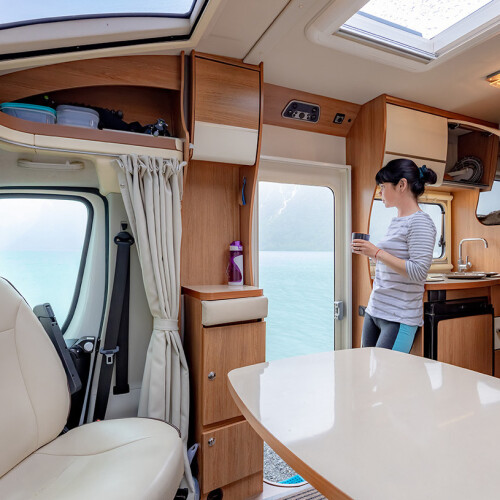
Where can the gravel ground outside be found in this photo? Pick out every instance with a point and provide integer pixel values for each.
(275, 469)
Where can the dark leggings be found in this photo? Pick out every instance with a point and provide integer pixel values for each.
(387, 334)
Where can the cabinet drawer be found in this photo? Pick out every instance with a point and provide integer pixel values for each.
(228, 454)
(467, 342)
(224, 349)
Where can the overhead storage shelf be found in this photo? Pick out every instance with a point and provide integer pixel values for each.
(86, 140)
(144, 89)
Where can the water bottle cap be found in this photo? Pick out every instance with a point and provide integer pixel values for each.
(236, 246)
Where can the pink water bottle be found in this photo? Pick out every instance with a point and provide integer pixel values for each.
(235, 267)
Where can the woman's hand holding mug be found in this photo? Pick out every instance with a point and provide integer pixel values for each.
(361, 245)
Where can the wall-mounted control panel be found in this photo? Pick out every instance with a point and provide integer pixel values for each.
(304, 111)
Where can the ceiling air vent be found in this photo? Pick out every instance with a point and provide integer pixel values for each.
(304, 111)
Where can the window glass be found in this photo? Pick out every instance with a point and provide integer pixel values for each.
(427, 18)
(381, 218)
(41, 245)
(296, 267)
(488, 207)
(35, 12)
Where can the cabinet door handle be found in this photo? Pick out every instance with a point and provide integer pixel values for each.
(211, 375)
(211, 441)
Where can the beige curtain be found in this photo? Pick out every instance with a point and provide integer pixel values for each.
(152, 193)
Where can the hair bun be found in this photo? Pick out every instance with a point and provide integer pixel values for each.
(428, 175)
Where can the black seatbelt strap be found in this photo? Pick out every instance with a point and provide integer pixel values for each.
(116, 340)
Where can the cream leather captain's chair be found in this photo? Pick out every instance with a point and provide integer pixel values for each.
(133, 458)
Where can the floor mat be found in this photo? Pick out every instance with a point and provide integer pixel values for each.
(307, 494)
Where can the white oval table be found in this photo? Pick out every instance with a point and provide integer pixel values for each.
(377, 424)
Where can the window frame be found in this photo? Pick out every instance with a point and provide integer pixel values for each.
(86, 241)
(380, 33)
(76, 34)
(324, 30)
(496, 179)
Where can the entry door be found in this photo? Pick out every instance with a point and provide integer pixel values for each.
(303, 253)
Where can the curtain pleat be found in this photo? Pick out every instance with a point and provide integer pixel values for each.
(152, 193)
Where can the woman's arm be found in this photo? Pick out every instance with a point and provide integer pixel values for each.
(363, 247)
(421, 239)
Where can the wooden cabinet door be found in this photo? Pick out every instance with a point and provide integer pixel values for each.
(224, 349)
(228, 454)
(415, 133)
(467, 342)
(226, 94)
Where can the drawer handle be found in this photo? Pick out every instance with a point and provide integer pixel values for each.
(211, 441)
(211, 375)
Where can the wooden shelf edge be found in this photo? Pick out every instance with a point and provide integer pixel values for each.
(82, 133)
(221, 292)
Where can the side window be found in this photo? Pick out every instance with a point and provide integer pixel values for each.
(488, 207)
(381, 218)
(43, 243)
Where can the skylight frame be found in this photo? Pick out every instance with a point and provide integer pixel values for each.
(402, 41)
(67, 35)
(103, 15)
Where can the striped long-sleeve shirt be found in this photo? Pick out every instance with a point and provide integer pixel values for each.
(396, 297)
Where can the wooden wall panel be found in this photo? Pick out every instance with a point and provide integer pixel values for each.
(144, 105)
(496, 372)
(365, 153)
(210, 221)
(465, 225)
(146, 71)
(226, 94)
(495, 299)
(276, 98)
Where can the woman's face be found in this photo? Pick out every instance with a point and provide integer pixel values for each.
(389, 194)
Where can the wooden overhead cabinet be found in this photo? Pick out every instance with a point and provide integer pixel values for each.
(226, 110)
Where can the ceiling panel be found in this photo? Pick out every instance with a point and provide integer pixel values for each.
(239, 24)
(291, 60)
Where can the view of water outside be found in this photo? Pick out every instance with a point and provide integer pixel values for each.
(296, 264)
(41, 243)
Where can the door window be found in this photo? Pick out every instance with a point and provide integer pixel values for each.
(43, 241)
(296, 267)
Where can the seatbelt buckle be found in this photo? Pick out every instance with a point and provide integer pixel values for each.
(110, 354)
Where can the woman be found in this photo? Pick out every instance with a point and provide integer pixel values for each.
(403, 258)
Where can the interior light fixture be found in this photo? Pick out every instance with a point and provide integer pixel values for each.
(494, 79)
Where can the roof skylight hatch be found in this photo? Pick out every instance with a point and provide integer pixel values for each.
(26, 13)
(424, 29)
(31, 29)
(405, 33)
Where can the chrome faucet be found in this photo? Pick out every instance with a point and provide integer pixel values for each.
(465, 266)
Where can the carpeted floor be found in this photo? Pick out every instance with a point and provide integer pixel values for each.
(275, 469)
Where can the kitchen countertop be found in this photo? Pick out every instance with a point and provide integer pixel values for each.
(457, 284)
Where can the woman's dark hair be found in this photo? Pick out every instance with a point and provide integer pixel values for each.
(402, 168)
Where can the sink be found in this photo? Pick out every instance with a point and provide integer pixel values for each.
(466, 276)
